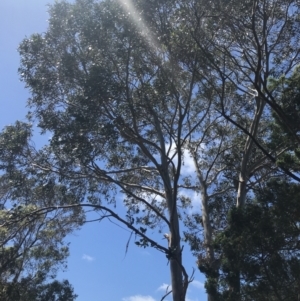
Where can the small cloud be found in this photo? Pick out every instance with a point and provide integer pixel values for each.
(198, 284)
(88, 258)
(165, 287)
(188, 166)
(139, 298)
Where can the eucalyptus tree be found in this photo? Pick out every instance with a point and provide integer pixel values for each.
(106, 84)
(32, 246)
(216, 159)
(129, 89)
(246, 45)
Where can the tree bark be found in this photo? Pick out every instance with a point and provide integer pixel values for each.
(176, 260)
(175, 257)
(244, 172)
(243, 179)
(205, 220)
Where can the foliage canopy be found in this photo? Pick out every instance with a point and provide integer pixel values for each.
(131, 92)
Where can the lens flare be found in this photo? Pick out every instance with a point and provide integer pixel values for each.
(144, 30)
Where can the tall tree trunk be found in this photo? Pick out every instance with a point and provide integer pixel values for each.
(176, 260)
(206, 221)
(175, 257)
(207, 234)
(243, 180)
(244, 172)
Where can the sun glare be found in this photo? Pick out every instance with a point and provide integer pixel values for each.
(136, 17)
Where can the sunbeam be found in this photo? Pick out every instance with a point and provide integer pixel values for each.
(144, 30)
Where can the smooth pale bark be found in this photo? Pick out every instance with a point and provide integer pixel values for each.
(244, 172)
(176, 268)
(207, 233)
(205, 219)
(243, 180)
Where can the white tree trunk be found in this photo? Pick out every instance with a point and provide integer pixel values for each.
(244, 172)
(205, 219)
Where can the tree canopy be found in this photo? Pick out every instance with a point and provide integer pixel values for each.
(32, 246)
(130, 91)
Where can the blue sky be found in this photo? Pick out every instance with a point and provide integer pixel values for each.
(97, 268)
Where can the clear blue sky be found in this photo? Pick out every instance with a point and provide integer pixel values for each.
(97, 267)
